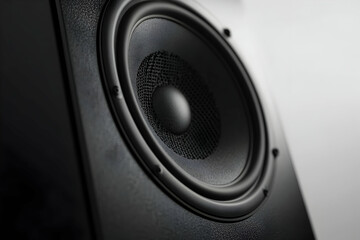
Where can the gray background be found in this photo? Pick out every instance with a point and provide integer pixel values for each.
(308, 53)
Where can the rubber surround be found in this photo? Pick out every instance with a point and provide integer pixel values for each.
(231, 202)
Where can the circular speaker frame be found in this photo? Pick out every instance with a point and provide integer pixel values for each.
(228, 202)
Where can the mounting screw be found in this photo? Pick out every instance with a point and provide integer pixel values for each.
(265, 191)
(275, 152)
(227, 32)
(116, 90)
(157, 169)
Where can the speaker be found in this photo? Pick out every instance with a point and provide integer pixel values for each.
(138, 120)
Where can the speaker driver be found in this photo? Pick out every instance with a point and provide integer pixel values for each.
(187, 107)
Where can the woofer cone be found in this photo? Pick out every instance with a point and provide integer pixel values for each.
(231, 201)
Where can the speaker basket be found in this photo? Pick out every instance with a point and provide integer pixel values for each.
(220, 167)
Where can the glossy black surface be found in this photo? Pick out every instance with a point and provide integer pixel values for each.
(172, 109)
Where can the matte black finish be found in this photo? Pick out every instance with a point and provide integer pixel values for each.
(66, 172)
(130, 204)
(136, 33)
(42, 195)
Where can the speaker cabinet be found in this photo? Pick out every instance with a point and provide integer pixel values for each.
(151, 128)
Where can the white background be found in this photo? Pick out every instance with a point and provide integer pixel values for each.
(308, 52)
